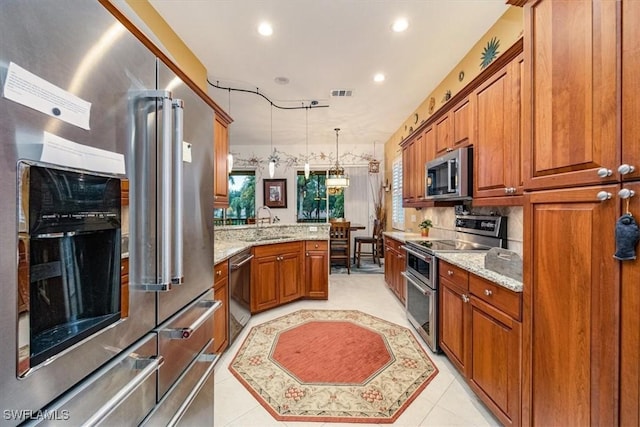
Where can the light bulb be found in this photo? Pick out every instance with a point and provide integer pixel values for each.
(272, 168)
(307, 170)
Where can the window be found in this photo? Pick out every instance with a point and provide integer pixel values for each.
(242, 199)
(397, 212)
(316, 203)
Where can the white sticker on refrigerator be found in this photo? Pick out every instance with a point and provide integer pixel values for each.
(186, 152)
(27, 89)
(60, 151)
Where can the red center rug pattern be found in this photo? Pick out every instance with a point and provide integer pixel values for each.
(333, 366)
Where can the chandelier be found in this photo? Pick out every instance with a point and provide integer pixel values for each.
(337, 177)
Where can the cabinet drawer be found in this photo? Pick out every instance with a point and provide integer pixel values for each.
(220, 270)
(454, 274)
(393, 244)
(277, 249)
(500, 297)
(316, 245)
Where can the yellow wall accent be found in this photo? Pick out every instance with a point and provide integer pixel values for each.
(508, 29)
(181, 54)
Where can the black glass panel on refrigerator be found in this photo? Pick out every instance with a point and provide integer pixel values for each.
(74, 239)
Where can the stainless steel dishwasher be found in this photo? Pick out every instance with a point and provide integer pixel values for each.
(239, 293)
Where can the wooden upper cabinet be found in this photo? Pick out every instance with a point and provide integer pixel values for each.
(221, 171)
(570, 92)
(462, 124)
(631, 87)
(413, 159)
(442, 129)
(429, 137)
(497, 137)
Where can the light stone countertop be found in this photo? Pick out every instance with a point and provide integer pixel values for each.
(470, 261)
(231, 240)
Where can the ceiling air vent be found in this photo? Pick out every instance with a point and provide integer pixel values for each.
(342, 92)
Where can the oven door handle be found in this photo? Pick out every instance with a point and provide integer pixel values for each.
(414, 283)
(418, 254)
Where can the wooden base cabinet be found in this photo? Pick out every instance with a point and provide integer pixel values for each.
(277, 274)
(480, 332)
(394, 265)
(221, 316)
(317, 269)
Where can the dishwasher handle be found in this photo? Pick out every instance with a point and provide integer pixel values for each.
(237, 265)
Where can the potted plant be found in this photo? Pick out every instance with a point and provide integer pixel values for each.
(424, 227)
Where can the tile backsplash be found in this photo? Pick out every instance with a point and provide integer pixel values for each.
(444, 220)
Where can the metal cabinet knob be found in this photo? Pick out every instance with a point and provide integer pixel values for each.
(465, 298)
(450, 273)
(488, 292)
(218, 273)
(625, 169)
(603, 195)
(604, 172)
(307, 253)
(625, 193)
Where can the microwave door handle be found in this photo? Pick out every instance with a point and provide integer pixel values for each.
(177, 277)
(449, 188)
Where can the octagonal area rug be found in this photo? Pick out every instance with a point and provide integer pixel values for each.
(333, 366)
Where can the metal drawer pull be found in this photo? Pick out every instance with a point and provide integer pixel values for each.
(488, 292)
(603, 195)
(185, 333)
(450, 273)
(152, 364)
(241, 263)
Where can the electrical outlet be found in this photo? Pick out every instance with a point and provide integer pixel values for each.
(313, 228)
(413, 218)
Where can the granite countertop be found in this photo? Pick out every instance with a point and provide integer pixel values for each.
(231, 240)
(474, 262)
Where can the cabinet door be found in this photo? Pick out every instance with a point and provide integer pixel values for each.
(317, 274)
(389, 257)
(443, 134)
(462, 124)
(494, 371)
(631, 86)
(497, 134)
(571, 308)
(417, 169)
(630, 331)
(454, 322)
(264, 285)
(408, 196)
(221, 171)
(221, 316)
(570, 89)
(290, 276)
(429, 144)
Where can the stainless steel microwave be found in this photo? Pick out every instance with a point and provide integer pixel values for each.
(449, 177)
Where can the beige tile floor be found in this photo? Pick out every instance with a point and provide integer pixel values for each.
(447, 400)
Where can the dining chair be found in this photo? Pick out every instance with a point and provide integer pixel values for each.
(340, 243)
(375, 240)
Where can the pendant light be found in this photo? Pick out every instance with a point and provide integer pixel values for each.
(337, 178)
(229, 155)
(307, 169)
(374, 164)
(272, 161)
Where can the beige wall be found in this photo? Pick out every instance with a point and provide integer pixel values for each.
(508, 29)
(172, 45)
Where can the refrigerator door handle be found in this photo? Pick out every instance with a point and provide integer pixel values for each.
(177, 277)
(165, 191)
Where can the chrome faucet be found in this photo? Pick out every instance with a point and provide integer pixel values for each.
(261, 220)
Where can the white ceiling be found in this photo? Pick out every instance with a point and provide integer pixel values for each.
(324, 45)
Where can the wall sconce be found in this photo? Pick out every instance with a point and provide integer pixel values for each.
(386, 186)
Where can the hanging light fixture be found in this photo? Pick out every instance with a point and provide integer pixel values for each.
(374, 164)
(272, 160)
(337, 178)
(229, 156)
(307, 169)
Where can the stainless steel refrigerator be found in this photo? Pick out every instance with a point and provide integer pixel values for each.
(85, 109)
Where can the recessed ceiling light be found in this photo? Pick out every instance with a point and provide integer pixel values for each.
(400, 25)
(281, 80)
(265, 29)
(378, 77)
